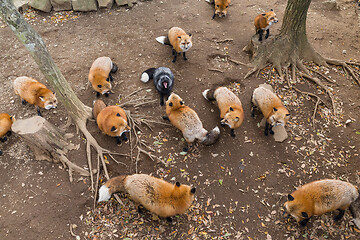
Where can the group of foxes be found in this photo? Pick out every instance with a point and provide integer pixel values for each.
(166, 199)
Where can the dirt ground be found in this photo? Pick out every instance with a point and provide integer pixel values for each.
(241, 183)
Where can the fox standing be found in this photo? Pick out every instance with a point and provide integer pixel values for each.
(319, 197)
(5, 126)
(221, 7)
(186, 119)
(34, 92)
(179, 40)
(231, 110)
(263, 23)
(154, 194)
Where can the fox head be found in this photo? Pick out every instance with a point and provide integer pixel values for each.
(101, 84)
(296, 207)
(47, 99)
(174, 102)
(270, 17)
(184, 193)
(232, 118)
(185, 42)
(221, 7)
(279, 116)
(164, 82)
(116, 124)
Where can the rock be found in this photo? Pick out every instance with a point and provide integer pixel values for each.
(42, 5)
(61, 5)
(21, 5)
(105, 3)
(330, 4)
(84, 5)
(267, 86)
(280, 133)
(130, 3)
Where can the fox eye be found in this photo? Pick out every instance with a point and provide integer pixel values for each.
(179, 37)
(118, 114)
(231, 109)
(99, 86)
(227, 6)
(217, 6)
(181, 103)
(170, 104)
(113, 129)
(288, 114)
(177, 184)
(275, 109)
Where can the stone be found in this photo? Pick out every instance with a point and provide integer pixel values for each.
(105, 3)
(130, 3)
(84, 5)
(61, 5)
(280, 133)
(42, 5)
(330, 5)
(21, 5)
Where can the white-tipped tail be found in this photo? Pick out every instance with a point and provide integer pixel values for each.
(204, 93)
(104, 194)
(216, 130)
(161, 39)
(144, 77)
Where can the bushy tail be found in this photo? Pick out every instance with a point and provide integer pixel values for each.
(147, 75)
(211, 137)
(355, 211)
(98, 106)
(209, 94)
(113, 185)
(163, 40)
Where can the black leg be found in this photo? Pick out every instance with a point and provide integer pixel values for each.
(106, 94)
(139, 210)
(266, 132)
(271, 131)
(185, 58)
(304, 222)
(175, 56)
(169, 219)
(161, 99)
(0, 153)
(38, 111)
(97, 94)
(9, 133)
(232, 133)
(252, 111)
(187, 148)
(260, 34)
(340, 215)
(114, 68)
(213, 16)
(118, 140)
(111, 78)
(124, 137)
(23, 102)
(267, 33)
(166, 118)
(4, 139)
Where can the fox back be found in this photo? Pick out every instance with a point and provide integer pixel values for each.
(265, 20)
(99, 75)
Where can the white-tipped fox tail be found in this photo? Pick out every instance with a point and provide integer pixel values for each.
(204, 93)
(104, 193)
(144, 77)
(161, 39)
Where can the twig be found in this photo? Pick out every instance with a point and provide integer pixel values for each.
(151, 156)
(353, 63)
(344, 64)
(237, 62)
(71, 231)
(324, 76)
(225, 40)
(215, 70)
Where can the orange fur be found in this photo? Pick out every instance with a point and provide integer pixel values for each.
(5, 123)
(319, 197)
(99, 74)
(221, 7)
(156, 195)
(264, 21)
(112, 117)
(179, 40)
(34, 92)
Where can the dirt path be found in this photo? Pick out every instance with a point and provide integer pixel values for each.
(241, 183)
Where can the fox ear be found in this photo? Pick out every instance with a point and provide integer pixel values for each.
(177, 184)
(113, 129)
(170, 104)
(193, 190)
(290, 198)
(181, 103)
(190, 35)
(231, 109)
(236, 119)
(304, 214)
(42, 98)
(275, 109)
(118, 114)
(271, 10)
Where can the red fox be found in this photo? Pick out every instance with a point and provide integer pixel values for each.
(263, 22)
(186, 119)
(179, 40)
(34, 92)
(5, 126)
(111, 120)
(319, 197)
(271, 107)
(100, 75)
(221, 7)
(231, 110)
(154, 194)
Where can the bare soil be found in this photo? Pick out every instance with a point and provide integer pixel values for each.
(241, 183)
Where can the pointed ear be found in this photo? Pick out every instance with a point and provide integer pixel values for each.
(275, 109)
(190, 35)
(177, 184)
(237, 119)
(42, 98)
(170, 104)
(231, 109)
(118, 114)
(181, 103)
(271, 10)
(193, 190)
(113, 129)
(290, 198)
(304, 214)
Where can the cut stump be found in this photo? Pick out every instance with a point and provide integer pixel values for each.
(47, 142)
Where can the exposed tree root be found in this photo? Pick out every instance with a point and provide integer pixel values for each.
(345, 66)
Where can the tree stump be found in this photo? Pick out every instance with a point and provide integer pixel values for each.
(47, 142)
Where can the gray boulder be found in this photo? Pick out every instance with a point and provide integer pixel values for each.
(61, 5)
(105, 3)
(42, 5)
(130, 3)
(84, 5)
(21, 5)
(330, 5)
